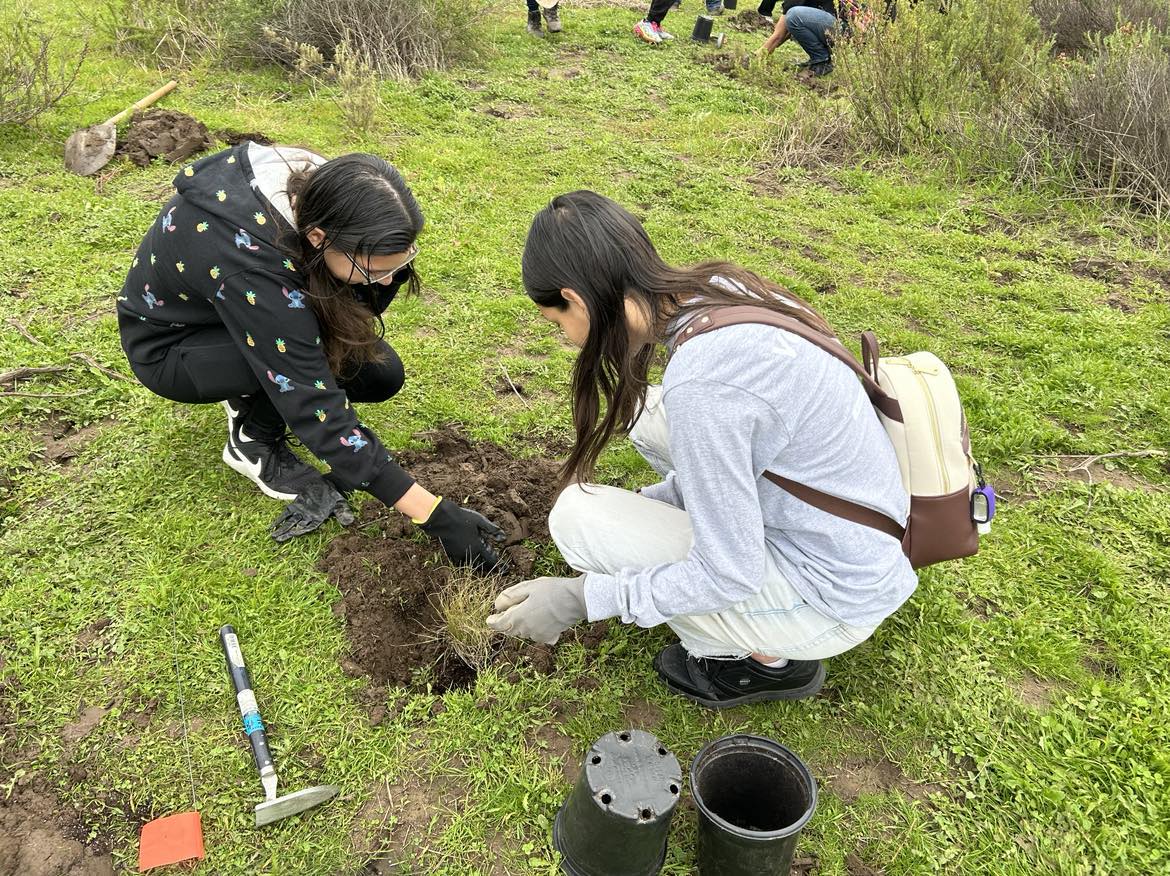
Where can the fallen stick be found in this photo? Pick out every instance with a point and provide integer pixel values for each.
(508, 378)
(110, 372)
(21, 373)
(4, 394)
(28, 336)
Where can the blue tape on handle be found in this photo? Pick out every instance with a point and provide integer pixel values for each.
(252, 723)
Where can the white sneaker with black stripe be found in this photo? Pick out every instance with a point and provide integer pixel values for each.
(270, 465)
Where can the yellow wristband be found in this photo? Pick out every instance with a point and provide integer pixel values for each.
(417, 522)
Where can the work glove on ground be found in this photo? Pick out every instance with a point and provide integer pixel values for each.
(540, 609)
(317, 501)
(468, 538)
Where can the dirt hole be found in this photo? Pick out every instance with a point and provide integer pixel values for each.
(395, 587)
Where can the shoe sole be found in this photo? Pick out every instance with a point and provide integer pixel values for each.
(245, 468)
(647, 40)
(796, 693)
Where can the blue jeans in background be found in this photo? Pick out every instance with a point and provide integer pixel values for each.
(810, 27)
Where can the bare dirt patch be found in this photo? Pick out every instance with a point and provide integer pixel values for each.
(235, 138)
(395, 824)
(641, 715)
(857, 778)
(1037, 693)
(64, 440)
(857, 867)
(390, 577)
(39, 834)
(747, 21)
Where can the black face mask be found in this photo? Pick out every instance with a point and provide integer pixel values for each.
(377, 296)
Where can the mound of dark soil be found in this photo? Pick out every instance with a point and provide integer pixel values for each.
(747, 21)
(389, 575)
(164, 133)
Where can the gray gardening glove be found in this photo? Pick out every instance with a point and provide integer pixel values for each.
(540, 609)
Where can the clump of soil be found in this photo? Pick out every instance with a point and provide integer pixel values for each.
(389, 577)
(39, 835)
(747, 21)
(164, 133)
(235, 138)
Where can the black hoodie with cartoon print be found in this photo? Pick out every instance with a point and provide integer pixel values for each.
(213, 258)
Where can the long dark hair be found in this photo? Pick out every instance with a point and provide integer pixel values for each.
(365, 208)
(587, 243)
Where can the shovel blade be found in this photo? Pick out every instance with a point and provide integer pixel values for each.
(169, 840)
(89, 150)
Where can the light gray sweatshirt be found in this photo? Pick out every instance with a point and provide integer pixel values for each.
(739, 400)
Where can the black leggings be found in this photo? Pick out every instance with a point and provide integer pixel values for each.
(207, 366)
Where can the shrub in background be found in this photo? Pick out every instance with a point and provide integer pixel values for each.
(1074, 25)
(926, 72)
(396, 38)
(1108, 116)
(178, 32)
(35, 71)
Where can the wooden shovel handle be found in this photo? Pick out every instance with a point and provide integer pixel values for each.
(144, 103)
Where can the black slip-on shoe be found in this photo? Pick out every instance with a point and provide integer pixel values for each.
(720, 684)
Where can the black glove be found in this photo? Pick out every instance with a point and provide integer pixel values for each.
(467, 536)
(316, 503)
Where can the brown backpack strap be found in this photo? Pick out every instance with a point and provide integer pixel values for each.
(737, 314)
(718, 317)
(838, 507)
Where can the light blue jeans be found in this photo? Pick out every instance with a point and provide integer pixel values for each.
(811, 27)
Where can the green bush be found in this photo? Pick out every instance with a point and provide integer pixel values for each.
(177, 32)
(929, 71)
(35, 73)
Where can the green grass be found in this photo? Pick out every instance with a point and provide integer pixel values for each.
(1068, 596)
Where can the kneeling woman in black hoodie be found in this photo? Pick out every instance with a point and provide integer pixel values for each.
(261, 285)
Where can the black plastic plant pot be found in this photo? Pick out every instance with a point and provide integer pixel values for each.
(702, 31)
(617, 817)
(730, 4)
(754, 797)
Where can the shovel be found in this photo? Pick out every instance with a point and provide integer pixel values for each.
(89, 150)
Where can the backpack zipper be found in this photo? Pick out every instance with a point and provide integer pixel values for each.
(934, 424)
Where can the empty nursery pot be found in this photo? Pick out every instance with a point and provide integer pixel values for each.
(754, 797)
(617, 816)
(702, 31)
(730, 4)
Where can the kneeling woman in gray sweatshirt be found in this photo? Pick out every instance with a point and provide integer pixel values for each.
(758, 586)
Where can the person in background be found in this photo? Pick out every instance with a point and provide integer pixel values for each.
(811, 24)
(552, 17)
(649, 29)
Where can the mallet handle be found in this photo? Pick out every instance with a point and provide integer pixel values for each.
(246, 700)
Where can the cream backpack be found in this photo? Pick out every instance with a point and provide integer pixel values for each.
(917, 403)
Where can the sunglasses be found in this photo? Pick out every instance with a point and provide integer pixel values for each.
(388, 275)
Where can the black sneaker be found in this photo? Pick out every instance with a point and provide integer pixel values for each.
(824, 68)
(269, 464)
(720, 684)
(534, 25)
